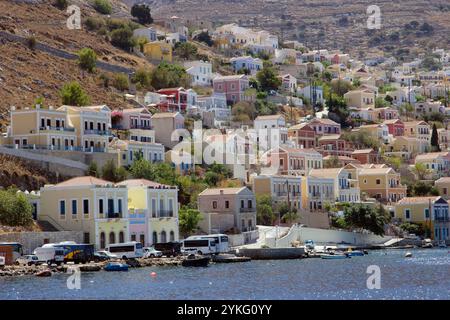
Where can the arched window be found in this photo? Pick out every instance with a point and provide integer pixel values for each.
(163, 237)
(155, 237)
(121, 237)
(112, 238)
(102, 240)
(172, 236)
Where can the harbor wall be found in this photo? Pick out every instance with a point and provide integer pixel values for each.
(324, 236)
(32, 240)
(271, 253)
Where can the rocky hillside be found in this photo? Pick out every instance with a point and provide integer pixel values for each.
(26, 74)
(332, 24)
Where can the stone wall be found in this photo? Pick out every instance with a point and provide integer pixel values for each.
(32, 240)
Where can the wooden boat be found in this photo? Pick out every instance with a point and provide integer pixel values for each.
(44, 273)
(116, 266)
(195, 261)
(229, 258)
(334, 256)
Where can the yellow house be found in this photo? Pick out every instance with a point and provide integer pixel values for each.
(431, 212)
(380, 181)
(94, 206)
(443, 186)
(405, 147)
(158, 50)
(153, 211)
(65, 128)
(360, 98)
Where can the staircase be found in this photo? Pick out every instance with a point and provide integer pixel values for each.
(46, 226)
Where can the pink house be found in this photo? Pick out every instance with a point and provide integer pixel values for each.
(395, 127)
(233, 87)
(136, 118)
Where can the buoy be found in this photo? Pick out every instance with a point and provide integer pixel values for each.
(153, 274)
(408, 255)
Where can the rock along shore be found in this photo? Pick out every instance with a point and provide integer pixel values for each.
(25, 270)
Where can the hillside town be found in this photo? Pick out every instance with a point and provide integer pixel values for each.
(237, 132)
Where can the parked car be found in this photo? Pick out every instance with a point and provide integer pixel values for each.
(104, 256)
(150, 252)
(169, 248)
(28, 259)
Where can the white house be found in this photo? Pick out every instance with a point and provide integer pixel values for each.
(200, 72)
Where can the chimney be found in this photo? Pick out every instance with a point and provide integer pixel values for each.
(221, 191)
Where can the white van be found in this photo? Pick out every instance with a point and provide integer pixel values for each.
(49, 254)
(199, 246)
(126, 250)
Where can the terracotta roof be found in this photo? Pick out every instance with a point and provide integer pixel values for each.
(430, 155)
(391, 121)
(330, 137)
(164, 115)
(219, 191)
(300, 126)
(443, 180)
(324, 121)
(83, 181)
(143, 183)
(325, 173)
(269, 117)
(375, 171)
(360, 151)
(407, 200)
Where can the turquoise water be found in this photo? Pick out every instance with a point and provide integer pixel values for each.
(424, 276)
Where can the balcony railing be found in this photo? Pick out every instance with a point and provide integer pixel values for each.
(247, 209)
(285, 194)
(52, 128)
(163, 214)
(114, 215)
(441, 219)
(98, 132)
(140, 126)
(54, 148)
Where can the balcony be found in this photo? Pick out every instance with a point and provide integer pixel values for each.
(140, 126)
(52, 128)
(441, 219)
(98, 132)
(247, 209)
(114, 215)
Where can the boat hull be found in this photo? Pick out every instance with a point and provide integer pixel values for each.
(196, 262)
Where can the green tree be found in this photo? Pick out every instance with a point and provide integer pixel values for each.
(61, 4)
(185, 50)
(264, 210)
(39, 101)
(87, 59)
(204, 37)
(72, 94)
(120, 82)
(143, 79)
(142, 13)
(212, 178)
(366, 217)
(268, 79)
(188, 221)
(406, 109)
(15, 210)
(31, 42)
(169, 76)
(332, 162)
(93, 169)
(142, 169)
(413, 228)
(111, 173)
(103, 6)
(435, 140)
(420, 170)
(123, 38)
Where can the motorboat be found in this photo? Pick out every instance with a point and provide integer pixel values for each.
(334, 256)
(195, 261)
(427, 243)
(355, 253)
(442, 244)
(116, 266)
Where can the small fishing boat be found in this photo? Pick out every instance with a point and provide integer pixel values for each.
(116, 266)
(427, 243)
(442, 244)
(355, 253)
(334, 256)
(195, 261)
(44, 273)
(408, 255)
